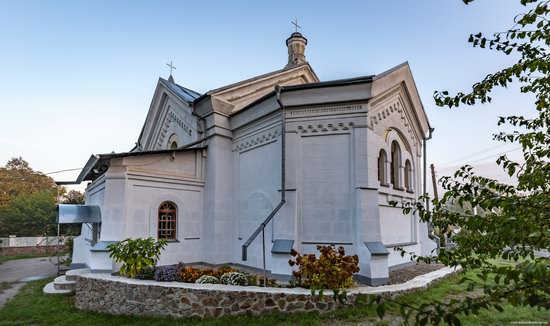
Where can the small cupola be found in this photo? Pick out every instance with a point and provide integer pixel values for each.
(296, 44)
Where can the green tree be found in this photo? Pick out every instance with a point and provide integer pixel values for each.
(515, 224)
(73, 197)
(30, 215)
(18, 178)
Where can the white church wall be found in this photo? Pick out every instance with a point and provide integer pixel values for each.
(326, 198)
(154, 179)
(257, 155)
(95, 194)
(218, 228)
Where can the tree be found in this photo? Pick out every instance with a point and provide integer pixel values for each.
(515, 224)
(18, 178)
(30, 215)
(73, 197)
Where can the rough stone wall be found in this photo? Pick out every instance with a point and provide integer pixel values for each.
(11, 251)
(121, 298)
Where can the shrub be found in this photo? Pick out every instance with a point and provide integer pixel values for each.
(234, 278)
(258, 280)
(189, 274)
(222, 270)
(332, 270)
(147, 273)
(207, 279)
(136, 254)
(167, 273)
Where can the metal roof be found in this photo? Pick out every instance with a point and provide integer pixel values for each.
(184, 93)
(77, 214)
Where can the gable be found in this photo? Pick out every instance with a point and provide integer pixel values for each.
(396, 106)
(170, 118)
(232, 98)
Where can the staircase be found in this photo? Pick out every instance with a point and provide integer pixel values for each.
(65, 284)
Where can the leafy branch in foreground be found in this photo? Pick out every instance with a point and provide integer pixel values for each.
(503, 229)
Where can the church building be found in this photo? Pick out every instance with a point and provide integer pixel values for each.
(244, 173)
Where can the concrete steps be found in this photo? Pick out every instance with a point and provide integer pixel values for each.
(65, 283)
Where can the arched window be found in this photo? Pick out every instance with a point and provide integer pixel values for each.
(167, 217)
(395, 164)
(382, 158)
(172, 142)
(408, 175)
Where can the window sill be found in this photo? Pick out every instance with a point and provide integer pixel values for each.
(171, 240)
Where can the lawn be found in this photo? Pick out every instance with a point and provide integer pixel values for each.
(4, 259)
(30, 306)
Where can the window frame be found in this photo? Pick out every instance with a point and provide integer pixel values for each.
(167, 208)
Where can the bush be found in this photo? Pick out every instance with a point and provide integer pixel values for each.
(234, 278)
(207, 279)
(167, 273)
(222, 270)
(136, 254)
(258, 280)
(332, 270)
(147, 273)
(189, 274)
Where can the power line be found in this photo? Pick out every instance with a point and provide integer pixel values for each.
(63, 171)
(473, 154)
(484, 158)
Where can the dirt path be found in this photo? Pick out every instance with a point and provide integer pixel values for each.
(15, 273)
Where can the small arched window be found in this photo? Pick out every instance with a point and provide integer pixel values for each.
(382, 158)
(395, 164)
(172, 142)
(167, 217)
(408, 175)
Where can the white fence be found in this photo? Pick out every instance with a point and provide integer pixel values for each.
(14, 241)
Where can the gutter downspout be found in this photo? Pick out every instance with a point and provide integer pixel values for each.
(283, 189)
(431, 235)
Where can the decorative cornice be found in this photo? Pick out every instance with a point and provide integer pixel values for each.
(172, 118)
(313, 127)
(316, 111)
(254, 141)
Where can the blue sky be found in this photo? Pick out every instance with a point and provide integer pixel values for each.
(77, 77)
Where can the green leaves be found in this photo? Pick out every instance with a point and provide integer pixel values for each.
(136, 254)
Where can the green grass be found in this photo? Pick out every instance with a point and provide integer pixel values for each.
(4, 259)
(30, 306)
(5, 286)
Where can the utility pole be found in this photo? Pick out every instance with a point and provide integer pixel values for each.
(434, 182)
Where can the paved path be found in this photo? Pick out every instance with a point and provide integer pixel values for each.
(18, 272)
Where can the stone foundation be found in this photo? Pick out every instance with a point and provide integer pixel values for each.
(123, 296)
(120, 298)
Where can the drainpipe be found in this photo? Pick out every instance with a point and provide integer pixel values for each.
(198, 141)
(283, 189)
(431, 235)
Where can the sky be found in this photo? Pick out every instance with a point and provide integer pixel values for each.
(77, 77)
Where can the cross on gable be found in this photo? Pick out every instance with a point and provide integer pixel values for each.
(171, 67)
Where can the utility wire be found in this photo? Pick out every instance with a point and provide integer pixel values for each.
(473, 154)
(482, 159)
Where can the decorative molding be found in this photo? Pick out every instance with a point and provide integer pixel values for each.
(254, 141)
(314, 127)
(172, 118)
(316, 111)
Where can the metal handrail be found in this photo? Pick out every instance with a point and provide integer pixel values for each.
(261, 227)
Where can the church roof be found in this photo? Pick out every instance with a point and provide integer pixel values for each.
(98, 164)
(259, 77)
(184, 93)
